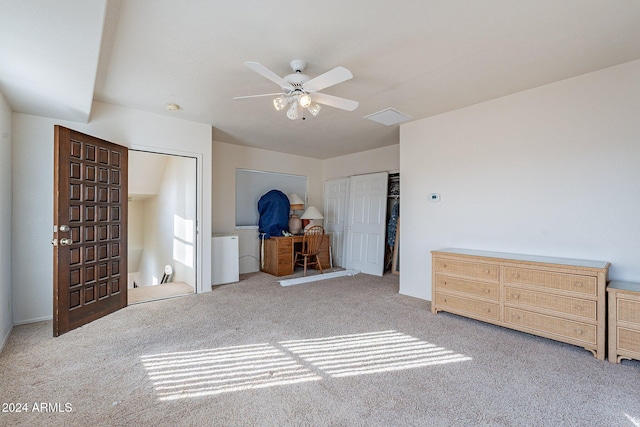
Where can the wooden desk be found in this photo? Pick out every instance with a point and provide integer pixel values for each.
(280, 251)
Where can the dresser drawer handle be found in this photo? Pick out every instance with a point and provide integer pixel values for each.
(516, 276)
(515, 316)
(578, 284)
(486, 271)
(579, 307)
(516, 296)
(487, 290)
(488, 310)
(579, 331)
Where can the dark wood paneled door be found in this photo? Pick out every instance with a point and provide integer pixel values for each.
(90, 229)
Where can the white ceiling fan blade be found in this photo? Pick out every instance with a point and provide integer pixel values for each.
(258, 96)
(334, 101)
(265, 72)
(330, 78)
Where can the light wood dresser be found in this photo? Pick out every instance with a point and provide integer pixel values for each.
(624, 321)
(558, 298)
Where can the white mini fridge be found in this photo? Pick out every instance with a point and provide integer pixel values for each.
(224, 259)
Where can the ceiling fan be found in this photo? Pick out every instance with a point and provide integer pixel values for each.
(299, 91)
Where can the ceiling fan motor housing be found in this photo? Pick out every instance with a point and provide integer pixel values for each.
(298, 65)
(296, 80)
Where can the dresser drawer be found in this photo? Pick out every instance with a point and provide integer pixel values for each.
(540, 300)
(629, 340)
(472, 308)
(585, 285)
(472, 270)
(476, 289)
(628, 311)
(284, 248)
(551, 325)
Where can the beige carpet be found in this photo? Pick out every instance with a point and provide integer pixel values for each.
(157, 292)
(349, 351)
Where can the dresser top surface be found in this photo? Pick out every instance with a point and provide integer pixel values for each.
(528, 258)
(624, 286)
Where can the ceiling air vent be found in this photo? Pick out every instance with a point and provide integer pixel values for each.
(388, 117)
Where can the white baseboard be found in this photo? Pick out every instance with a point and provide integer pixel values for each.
(40, 319)
(5, 338)
(315, 277)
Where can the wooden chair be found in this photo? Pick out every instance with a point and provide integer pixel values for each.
(310, 247)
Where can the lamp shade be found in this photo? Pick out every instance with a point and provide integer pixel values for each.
(293, 112)
(295, 202)
(304, 100)
(312, 213)
(280, 102)
(314, 109)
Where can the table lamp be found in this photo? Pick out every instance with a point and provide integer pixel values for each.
(311, 214)
(295, 204)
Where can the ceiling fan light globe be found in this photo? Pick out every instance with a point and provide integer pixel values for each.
(293, 113)
(280, 102)
(314, 109)
(304, 100)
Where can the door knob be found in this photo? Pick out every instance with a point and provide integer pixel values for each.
(65, 241)
(64, 228)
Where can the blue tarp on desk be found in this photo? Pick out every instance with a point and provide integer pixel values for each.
(273, 208)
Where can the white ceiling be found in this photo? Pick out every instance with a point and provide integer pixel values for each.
(421, 57)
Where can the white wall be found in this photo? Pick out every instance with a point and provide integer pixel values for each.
(179, 190)
(153, 254)
(33, 201)
(135, 239)
(385, 159)
(550, 171)
(226, 159)
(6, 310)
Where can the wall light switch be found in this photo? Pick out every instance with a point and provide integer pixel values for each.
(434, 197)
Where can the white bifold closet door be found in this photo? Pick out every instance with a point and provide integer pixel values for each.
(335, 216)
(366, 223)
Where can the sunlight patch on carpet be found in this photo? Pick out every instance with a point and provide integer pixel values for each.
(198, 373)
(636, 422)
(358, 354)
(208, 372)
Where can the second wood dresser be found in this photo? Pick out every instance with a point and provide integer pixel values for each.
(558, 298)
(624, 321)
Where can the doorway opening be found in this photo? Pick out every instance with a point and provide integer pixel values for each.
(162, 204)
